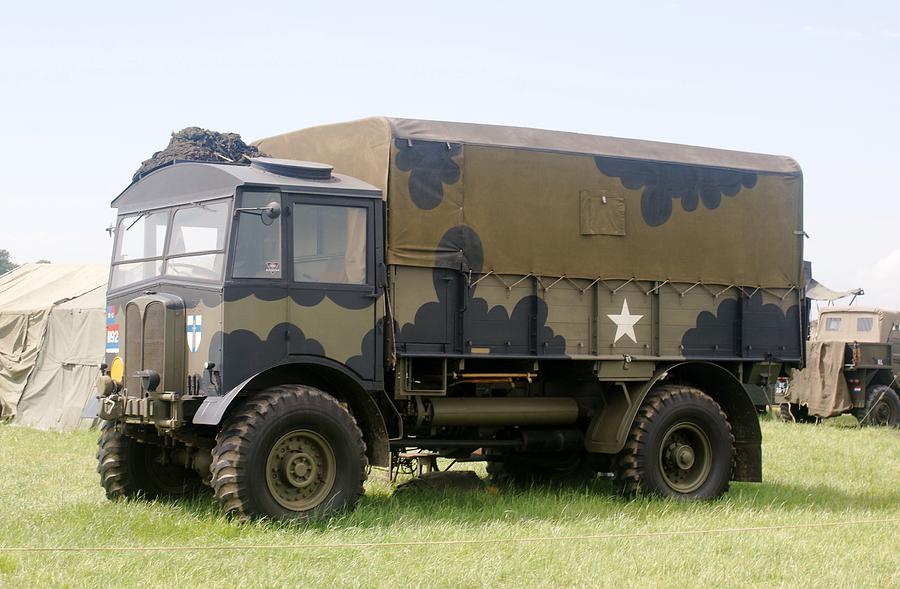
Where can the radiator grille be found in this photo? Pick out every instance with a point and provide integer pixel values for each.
(154, 340)
(133, 351)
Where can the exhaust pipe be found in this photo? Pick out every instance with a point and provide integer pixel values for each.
(489, 411)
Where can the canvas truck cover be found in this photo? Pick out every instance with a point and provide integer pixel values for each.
(820, 386)
(558, 204)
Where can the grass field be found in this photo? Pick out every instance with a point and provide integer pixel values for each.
(50, 497)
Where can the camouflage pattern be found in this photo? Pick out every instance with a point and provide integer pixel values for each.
(577, 318)
(515, 251)
(532, 243)
(572, 205)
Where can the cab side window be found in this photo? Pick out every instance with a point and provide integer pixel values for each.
(257, 252)
(329, 244)
(833, 324)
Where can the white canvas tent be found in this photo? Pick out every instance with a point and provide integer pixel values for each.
(52, 339)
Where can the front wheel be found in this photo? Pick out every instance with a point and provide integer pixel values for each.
(882, 408)
(131, 468)
(290, 453)
(680, 446)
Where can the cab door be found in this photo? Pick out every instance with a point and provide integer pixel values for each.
(334, 268)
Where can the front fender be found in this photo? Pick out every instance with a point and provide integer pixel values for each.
(213, 409)
(323, 374)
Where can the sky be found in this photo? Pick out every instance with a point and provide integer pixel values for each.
(88, 90)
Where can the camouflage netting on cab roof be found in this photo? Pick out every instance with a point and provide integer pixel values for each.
(196, 144)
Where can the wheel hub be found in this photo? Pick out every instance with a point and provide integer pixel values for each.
(685, 457)
(300, 470)
(882, 414)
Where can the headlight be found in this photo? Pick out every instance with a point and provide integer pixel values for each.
(117, 370)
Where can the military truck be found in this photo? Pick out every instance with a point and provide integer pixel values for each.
(552, 303)
(853, 367)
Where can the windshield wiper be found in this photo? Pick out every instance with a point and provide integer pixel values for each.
(136, 219)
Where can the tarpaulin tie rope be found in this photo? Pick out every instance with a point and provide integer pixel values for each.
(532, 539)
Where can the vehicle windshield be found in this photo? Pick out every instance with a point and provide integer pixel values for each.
(195, 235)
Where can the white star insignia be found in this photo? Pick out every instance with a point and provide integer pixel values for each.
(625, 322)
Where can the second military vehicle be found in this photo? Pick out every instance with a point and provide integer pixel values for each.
(549, 302)
(853, 367)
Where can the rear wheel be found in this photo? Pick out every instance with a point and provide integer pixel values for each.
(882, 407)
(130, 468)
(680, 446)
(291, 453)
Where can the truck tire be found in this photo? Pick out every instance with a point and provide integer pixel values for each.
(680, 445)
(882, 407)
(523, 470)
(794, 413)
(290, 453)
(130, 468)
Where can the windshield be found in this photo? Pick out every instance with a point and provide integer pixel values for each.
(196, 244)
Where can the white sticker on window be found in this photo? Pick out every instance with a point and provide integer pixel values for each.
(273, 267)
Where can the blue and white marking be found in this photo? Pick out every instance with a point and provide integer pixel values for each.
(112, 330)
(194, 332)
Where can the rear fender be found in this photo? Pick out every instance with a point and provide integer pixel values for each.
(609, 428)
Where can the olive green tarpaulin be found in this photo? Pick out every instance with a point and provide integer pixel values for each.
(52, 338)
(821, 386)
(563, 204)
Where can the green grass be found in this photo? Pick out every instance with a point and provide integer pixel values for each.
(49, 496)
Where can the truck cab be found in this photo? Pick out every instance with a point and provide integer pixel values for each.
(215, 264)
(274, 259)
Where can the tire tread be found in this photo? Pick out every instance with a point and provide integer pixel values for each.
(230, 480)
(631, 463)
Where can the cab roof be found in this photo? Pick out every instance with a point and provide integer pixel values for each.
(190, 181)
(858, 309)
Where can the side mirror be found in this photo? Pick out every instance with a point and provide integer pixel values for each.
(271, 212)
(267, 214)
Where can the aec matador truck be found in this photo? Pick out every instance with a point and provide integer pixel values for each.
(548, 302)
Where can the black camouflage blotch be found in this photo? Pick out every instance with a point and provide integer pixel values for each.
(432, 322)
(241, 344)
(494, 327)
(234, 293)
(663, 182)
(364, 363)
(306, 297)
(430, 166)
(460, 249)
(712, 332)
(347, 299)
(765, 329)
(437, 322)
